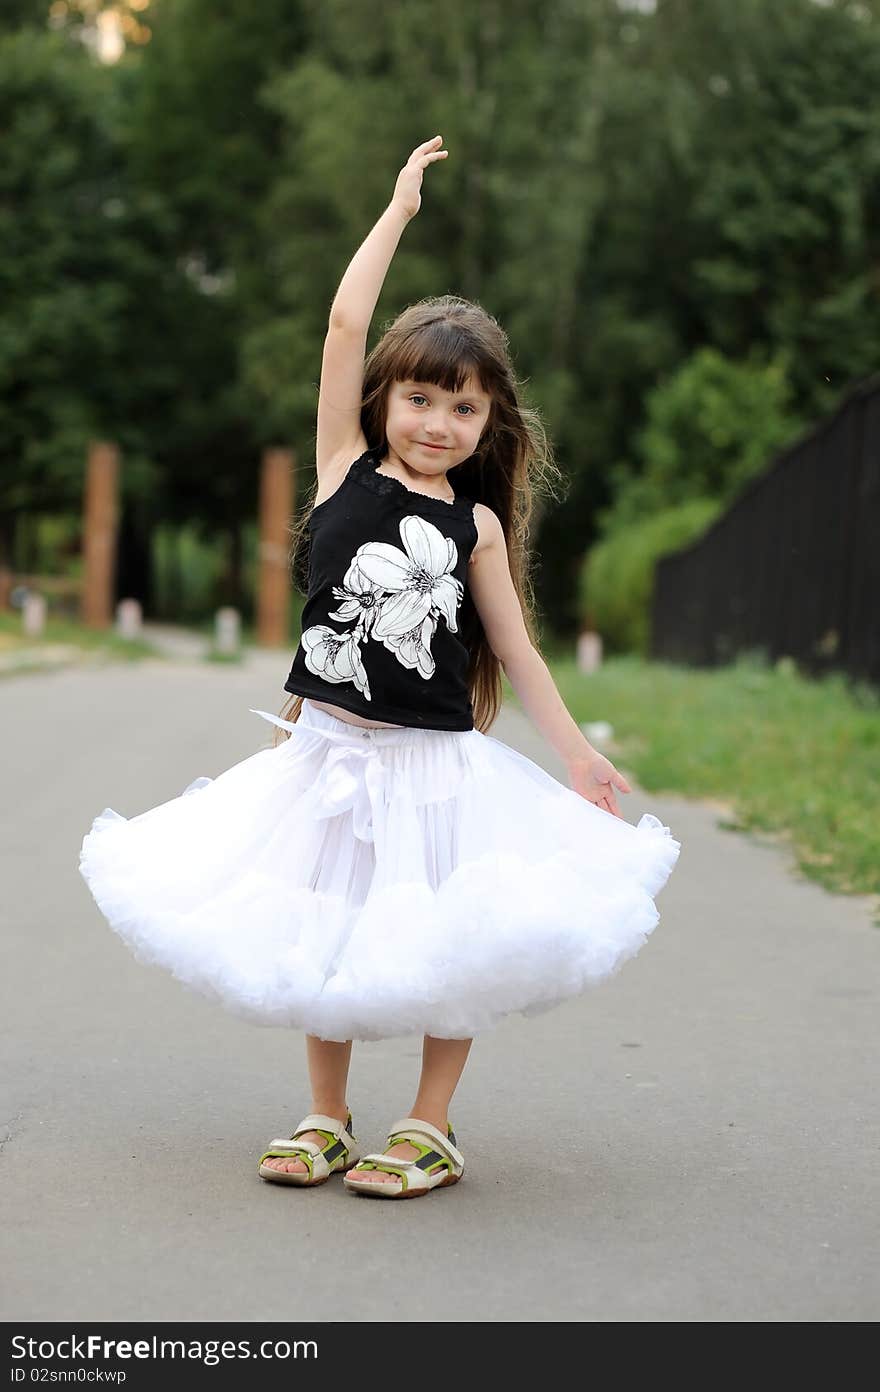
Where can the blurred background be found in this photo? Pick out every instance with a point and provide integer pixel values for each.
(672, 207)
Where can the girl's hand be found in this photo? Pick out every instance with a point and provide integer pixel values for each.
(406, 195)
(595, 777)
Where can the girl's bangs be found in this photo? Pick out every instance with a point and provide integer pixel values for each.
(441, 354)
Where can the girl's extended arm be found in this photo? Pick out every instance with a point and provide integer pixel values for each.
(339, 397)
(497, 603)
(359, 288)
(590, 773)
(355, 300)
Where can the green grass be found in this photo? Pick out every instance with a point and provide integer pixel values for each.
(67, 633)
(795, 758)
(234, 659)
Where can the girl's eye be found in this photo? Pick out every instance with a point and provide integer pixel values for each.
(417, 396)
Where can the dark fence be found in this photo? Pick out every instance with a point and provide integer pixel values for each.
(793, 567)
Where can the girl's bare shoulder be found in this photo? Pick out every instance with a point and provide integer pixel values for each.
(489, 530)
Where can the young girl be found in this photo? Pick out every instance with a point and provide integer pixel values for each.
(387, 867)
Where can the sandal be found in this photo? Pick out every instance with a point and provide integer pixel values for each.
(339, 1153)
(438, 1165)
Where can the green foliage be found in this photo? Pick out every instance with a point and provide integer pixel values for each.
(624, 189)
(57, 316)
(739, 151)
(83, 272)
(17, 13)
(187, 569)
(617, 575)
(506, 221)
(710, 427)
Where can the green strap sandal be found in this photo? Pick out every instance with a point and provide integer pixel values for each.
(339, 1152)
(438, 1165)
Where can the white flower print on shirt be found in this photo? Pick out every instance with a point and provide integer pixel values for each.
(413, 648)
(397, 597)
(334, 656)
(359, 601)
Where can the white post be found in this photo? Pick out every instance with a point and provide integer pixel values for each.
(589, 651)
(33, 614)
(129, 618)
(227, 629)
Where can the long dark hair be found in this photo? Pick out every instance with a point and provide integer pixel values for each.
(442, 340)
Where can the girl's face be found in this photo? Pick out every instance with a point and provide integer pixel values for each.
(420, 415)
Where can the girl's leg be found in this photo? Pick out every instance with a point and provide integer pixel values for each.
(328, 1074)
(443, 1062)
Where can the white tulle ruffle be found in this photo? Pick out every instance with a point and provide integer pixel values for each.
(362, 884)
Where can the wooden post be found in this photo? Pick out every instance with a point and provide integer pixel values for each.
(100, 520)
(276, 509)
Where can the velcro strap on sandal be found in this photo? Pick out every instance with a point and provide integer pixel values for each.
(287, 1146)
(316, 1121)
(423, 1133)
(393, 1162)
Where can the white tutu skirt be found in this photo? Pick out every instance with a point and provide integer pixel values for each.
(361, 884)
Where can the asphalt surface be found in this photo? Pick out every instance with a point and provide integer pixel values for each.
(695, 1140)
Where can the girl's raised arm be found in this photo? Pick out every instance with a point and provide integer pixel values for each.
(342, 366)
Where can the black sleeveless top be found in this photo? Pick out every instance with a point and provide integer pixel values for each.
(387, 575)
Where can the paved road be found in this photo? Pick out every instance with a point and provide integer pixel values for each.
(695, 1141)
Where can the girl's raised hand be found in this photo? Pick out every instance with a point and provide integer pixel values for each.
(407, 196)
(595, 778)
